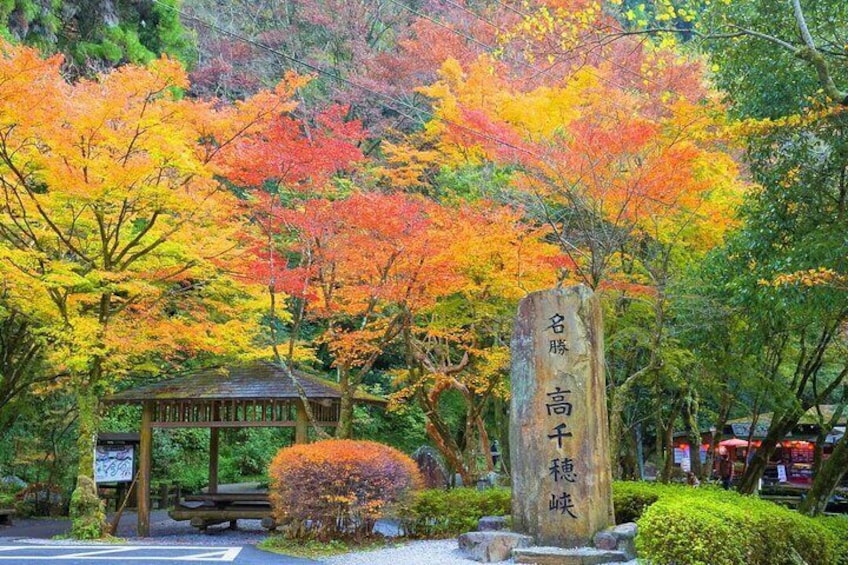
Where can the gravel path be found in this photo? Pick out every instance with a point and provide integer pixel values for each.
(441, 552)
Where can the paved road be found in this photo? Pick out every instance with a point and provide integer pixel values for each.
(102, 554)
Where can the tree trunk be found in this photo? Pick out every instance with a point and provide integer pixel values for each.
(780, 426)
(630, 457)
(690, 421)
(667, 439)
(345, 429)
(502, 426)
(827, 479)
(618, 403)
(87, 515)
(716, 436)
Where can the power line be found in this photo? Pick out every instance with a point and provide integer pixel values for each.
(511, 8)
(319, 70)
(355, 84)
(419, 111)
(451, 29)
(473, 13)
(491, 48)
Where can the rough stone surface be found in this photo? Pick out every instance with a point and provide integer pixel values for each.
(559, 437)
(431, 467)
(491, 524)
(626, 536)
(627, 530)
(567, 556)
(605, 540)
(491, 547)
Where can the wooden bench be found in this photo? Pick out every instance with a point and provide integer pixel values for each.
(224, 498)
(6, 515)
(217, 508)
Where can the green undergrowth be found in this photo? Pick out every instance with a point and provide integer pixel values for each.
(439, 513)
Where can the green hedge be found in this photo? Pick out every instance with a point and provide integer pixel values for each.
(709, 526)
(630, 499)
(678, 524)
(838, 525)
(448, 513)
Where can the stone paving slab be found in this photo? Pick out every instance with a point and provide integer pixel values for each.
(561, 556)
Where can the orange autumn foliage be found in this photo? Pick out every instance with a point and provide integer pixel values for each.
(341, 486)
(114, 229)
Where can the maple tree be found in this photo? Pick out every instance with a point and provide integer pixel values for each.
(113, 228)
(282, 160)
(460, 344)
(361, 266)
(629, 182)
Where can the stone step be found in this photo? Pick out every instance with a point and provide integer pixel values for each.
(572, 556)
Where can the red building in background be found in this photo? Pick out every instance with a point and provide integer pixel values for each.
(791, 464)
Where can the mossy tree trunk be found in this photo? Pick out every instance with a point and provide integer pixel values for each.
(693, 434)
(781, 425)
(827, 479)
(86, 510)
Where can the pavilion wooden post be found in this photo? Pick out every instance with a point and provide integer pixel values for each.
(301, 423)
(213, 452)
(213, 460)
(145, 451)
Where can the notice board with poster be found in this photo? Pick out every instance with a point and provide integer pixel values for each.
(114, 464)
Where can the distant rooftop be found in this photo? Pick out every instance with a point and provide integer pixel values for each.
(255, 381)
(810, 417)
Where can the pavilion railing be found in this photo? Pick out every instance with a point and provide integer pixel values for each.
(198, 413)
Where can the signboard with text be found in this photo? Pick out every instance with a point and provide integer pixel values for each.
(113, 464)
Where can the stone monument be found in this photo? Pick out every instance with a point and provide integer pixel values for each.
(559, 435)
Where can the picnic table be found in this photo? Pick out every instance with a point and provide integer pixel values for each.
(207, 509)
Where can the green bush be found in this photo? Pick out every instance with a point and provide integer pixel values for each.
(675, 532)
(630, 499)
(838, 526)
(708, 526)
(447, 513)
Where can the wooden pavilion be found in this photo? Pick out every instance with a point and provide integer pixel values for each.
(256, 395)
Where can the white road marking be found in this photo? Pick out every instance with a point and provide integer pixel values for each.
(99, 551)
(227, 555)
(103, 553)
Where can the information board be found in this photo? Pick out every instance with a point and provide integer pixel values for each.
(113, 464)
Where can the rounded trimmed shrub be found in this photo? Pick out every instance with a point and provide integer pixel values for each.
(709, 526)
(338, 488)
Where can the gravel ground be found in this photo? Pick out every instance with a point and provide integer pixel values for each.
(441, 552)
(436, 552)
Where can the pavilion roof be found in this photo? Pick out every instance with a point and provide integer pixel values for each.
(255, 381)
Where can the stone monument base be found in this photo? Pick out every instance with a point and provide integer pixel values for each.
(573, 556)
(491, 546)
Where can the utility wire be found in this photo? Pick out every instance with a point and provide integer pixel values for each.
(491, 48)
(336, 76)
(439, 23)
(420, 111)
